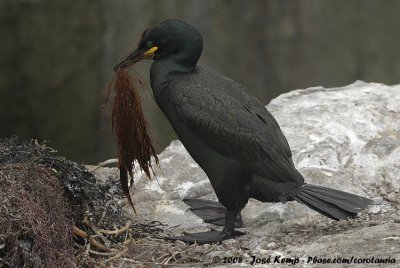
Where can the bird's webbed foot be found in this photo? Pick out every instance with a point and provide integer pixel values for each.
(208, 237)
(211, 211)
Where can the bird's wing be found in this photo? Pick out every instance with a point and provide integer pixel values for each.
(237, 126)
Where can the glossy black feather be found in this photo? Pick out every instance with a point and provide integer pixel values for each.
(230, 134)
(232, 122)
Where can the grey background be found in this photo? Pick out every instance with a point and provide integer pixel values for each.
(56, 57)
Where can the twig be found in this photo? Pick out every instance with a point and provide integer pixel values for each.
(91, 240)
(162, 257)
(87, 249)
(105, 211)
(106, 254)
(130, 260)
(173, 255)
(122, 252)
(102, 164)
(116, 231)
(100, 235)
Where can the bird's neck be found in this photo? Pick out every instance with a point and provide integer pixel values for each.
(184, 60)
(160, 73)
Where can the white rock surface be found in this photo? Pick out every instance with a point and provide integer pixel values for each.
(347, 138)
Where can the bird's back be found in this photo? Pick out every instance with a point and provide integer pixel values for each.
(231, 121)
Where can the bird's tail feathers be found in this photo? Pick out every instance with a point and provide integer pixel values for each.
(332, 203)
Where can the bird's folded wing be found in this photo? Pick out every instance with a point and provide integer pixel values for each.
(245, 132)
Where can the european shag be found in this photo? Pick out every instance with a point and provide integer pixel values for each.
(229, 133)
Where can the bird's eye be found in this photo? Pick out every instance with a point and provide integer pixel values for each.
(149, 44)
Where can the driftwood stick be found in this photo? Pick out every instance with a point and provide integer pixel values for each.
(78, 232)
(116, 231)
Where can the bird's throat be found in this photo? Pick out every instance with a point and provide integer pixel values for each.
(160, 73)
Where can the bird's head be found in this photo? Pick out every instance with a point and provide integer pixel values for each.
(171, 39)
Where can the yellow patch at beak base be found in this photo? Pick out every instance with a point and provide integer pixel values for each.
(150, 53)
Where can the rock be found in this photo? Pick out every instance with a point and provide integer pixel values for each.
(377, 241)
(346, 138)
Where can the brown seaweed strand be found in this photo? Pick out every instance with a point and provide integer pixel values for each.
(130, 127)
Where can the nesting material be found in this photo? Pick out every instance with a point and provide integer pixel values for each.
(130, 127)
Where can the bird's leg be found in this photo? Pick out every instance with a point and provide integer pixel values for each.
(211, 211)
(213, 236)
(230, 219)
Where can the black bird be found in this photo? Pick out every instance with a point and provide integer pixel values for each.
(228, 132)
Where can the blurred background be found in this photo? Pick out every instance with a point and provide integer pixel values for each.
(56, 57)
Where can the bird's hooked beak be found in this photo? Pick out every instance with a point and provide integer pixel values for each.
(135, 57)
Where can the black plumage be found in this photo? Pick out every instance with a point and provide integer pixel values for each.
(228, 132)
